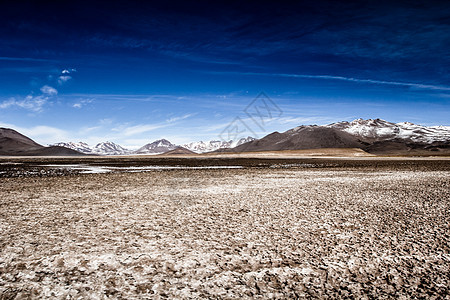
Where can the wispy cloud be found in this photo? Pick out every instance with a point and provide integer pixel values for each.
(304, 120)
(85, 130)
(138, 129)
(359, 80)
(33, 103)
(48, 90)
(82, 103)
(63, 79)
(397, 83)
(127, 130)
(174, 119)
(65, 76)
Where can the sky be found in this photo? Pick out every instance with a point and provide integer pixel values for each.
(133, 72)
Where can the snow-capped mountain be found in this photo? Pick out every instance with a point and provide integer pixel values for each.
(156, 147)
(80, 147)
(201, 147)
(110, 148)
(159, 146)
(380, 130)
(372, 135)
(104, 148)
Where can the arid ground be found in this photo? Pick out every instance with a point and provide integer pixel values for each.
(224, 228)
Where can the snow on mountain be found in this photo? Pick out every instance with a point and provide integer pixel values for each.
(418, 133)
(104, 148)
(80, 146)
(201, 147)
(376, 130)
(242, 141)
(110, 148)
(156, 147)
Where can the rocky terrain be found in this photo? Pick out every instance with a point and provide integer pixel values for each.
(277, 229)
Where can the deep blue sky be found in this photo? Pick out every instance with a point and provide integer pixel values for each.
(133, 72)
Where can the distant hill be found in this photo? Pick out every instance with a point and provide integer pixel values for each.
(179, 151)
(15, 143)
(52, 151)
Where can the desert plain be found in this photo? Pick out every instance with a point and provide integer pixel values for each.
(229, 228)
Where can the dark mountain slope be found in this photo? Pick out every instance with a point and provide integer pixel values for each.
(15, 143)
(303, 137)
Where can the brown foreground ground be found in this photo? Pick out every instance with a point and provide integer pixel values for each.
(271, 229)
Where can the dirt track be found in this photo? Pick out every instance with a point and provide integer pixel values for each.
(337, 231)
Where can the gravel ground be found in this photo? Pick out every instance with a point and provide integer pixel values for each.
(227, 233)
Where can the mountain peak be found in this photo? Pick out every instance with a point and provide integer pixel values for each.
(162, 140)
(156, 147)
(110, 148)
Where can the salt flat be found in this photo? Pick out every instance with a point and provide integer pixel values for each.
(372, 230)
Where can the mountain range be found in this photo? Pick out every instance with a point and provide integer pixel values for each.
(104, 148)
(375, 136)
(156, 147)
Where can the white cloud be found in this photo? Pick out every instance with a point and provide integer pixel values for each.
(85, 130)
(68, 71)
(82, 103)
(63, 79)
(29, 102)
(126, 130)
(48, 90)
(174, 119)
(137, 129)
(105, 121)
